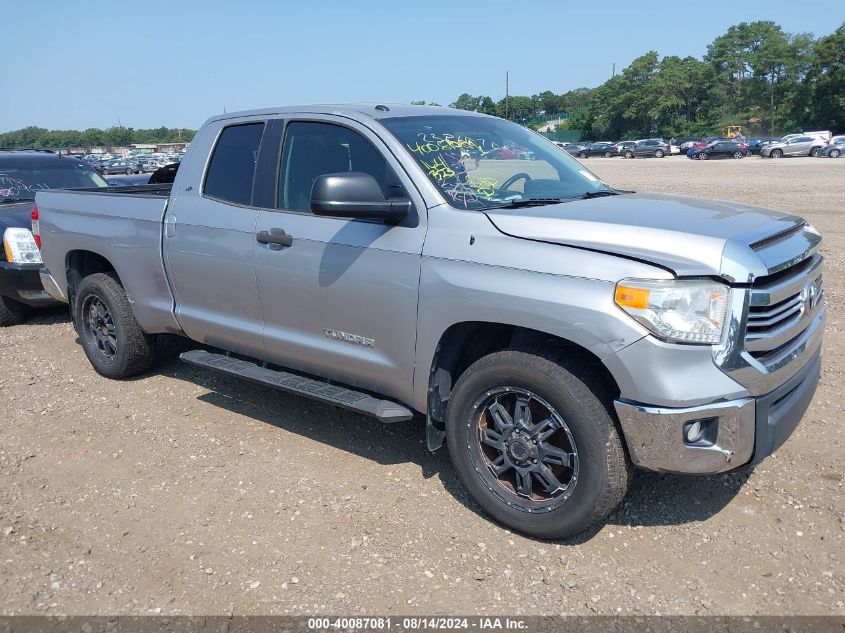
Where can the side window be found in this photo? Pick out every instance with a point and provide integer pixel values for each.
(312, 149)
(232, 167)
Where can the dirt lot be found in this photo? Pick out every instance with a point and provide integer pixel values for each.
(181, 492)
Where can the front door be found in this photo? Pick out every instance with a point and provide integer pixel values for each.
(339, 296)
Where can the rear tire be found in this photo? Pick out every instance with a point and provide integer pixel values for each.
(815, 152)
(579, 442)
(702, 156)
(11, 312)
(629, 154)
(738, 155)
(608, 155)
(582, 155)
(111, 337)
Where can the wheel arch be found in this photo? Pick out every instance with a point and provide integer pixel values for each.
(461, 344)
(81, 263)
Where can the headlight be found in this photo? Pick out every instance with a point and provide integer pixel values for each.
(20, 246)
(682, 311)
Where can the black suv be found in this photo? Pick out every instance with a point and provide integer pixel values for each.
(22, 173)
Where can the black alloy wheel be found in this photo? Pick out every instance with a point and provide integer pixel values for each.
(522, 449)
(99, 326)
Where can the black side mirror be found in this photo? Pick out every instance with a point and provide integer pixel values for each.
(355, 195)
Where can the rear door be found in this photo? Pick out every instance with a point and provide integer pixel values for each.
(340, 300)
(210, 238)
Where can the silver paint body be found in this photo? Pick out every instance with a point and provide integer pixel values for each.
(191, 264)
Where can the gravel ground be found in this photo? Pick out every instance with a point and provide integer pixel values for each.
(183, 493)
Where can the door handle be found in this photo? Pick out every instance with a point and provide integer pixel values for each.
(274, 236)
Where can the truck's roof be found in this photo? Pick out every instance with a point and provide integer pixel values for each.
(373, 110)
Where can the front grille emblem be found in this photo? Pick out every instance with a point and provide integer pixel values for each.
(810, 295)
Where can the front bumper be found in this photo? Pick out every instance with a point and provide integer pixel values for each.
(22, 283)
(736, 432)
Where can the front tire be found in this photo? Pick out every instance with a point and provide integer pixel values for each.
(738, 155)
(815, 152)
(582, 155)
(531, 435)
(11, 312)
(659, 154)
(111, 337)
(629, 154)
(608, 155)
(776, 153)
(834, 153)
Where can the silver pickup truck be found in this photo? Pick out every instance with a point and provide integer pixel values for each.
(408, 261)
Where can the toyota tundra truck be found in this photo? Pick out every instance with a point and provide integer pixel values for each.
(554, 331)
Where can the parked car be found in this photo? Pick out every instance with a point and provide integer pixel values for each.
(795, 146)
(718, 149)
(574, 148)
(22, 173)
(756, 144)
(621, 146)
(835, 149)
(599, 149)
(686, 143)
(648, 147)
(120, 166)
(149, 165)
(679, 353)
(525, 154)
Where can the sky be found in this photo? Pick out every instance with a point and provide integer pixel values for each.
(148, 63)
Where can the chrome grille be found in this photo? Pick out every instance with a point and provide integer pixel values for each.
(781, 308)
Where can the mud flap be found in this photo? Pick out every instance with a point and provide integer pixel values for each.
(434, 436)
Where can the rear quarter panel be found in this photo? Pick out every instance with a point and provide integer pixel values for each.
(126, 230)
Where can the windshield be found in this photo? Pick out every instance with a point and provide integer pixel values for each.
(480, 162)
(21, 182)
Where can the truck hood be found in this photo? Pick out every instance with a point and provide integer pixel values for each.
(689, 236)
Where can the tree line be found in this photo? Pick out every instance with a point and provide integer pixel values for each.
(755, 75)
(113, 136)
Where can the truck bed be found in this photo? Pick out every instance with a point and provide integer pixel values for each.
(122, 225)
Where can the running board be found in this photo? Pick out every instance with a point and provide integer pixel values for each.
(383, 410)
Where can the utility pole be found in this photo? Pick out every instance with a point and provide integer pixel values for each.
(506, 94)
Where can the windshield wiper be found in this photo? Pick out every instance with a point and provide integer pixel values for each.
(527, 202)
(601, 193)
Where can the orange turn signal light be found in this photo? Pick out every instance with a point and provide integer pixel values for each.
(628, 297)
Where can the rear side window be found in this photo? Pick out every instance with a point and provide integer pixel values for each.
(232, 167)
